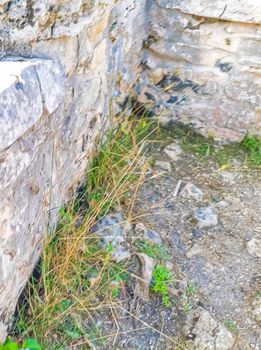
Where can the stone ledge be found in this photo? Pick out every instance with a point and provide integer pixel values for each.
(233, 10)
(27, 89)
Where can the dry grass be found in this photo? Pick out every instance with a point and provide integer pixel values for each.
(75, 275)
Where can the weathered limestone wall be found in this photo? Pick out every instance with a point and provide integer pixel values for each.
(60, 62)
(202, 65)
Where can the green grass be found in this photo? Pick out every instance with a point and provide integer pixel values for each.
(252, 144)
(248, 151)
(75, 275)
(231, 326)
(161, 279)
(191, 289)
(153, 250)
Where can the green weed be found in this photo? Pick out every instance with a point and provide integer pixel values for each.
(191, 289)
(186, 307)
(161, 279)
(248, 151)
(231, 326)
(29, 344)
(252, 144)
(153, 250)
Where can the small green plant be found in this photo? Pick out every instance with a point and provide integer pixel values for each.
(252, 144)
(186, 307)
(29, 344)
(161, 279)
(231, 326)
(153, 250)
(191, 289)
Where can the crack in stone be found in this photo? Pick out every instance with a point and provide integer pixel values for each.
(40, 87)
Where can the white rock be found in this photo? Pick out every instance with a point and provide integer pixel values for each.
(254, 247)
(210, 335)
(173, 151)
(166, 166)
(120, 254)
(206, 217)
(191, 191)
(148, 233)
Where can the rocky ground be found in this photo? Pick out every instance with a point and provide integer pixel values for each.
(206, 219)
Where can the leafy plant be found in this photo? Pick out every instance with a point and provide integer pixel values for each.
(29, 344)
(161, 279)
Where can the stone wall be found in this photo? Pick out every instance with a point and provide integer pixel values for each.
(60, 63)
(202, 65)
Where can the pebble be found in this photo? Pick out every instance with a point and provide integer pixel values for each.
(111, 228)
(222, 204)
(163, 165)
(194, 250)
(191, 191)
(229, 176)
(120, 253)
(254, 247)
(148, 234)
(205, 217)
(173, 151)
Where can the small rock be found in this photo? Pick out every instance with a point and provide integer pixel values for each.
(142, 287)
(209, 334)
(3, 332)
(222, 204)
(256, 309)
(111, 228)
(229, 176)
(191, 191)
(157, 75)
(173, 151)
(148, 234)
(205, 217)
(197, 234)
(173, 292)
(120, 254)
(194, 250)
(166, 166)
(254, 247)
(169, 265)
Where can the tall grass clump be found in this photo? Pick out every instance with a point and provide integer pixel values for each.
(75, 274)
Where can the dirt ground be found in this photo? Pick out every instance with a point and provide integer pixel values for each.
(209, 219)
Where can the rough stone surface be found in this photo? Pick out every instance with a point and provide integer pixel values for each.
(202, 65)
(210, 334)
(191, 191)
(59, 64)
(28, 87)
(254, 247)
(173, 151)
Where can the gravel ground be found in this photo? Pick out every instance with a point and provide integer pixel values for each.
(209, 218)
